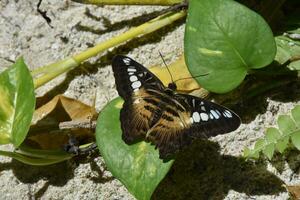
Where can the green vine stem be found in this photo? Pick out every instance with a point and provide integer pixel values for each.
(34, 161)
(130, 2)
(46, 73)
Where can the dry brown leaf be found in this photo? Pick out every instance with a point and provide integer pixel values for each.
(179, 70)
(45, 131)
(74, 109)
(294, 191)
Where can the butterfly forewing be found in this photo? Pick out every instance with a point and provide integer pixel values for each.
(131, 76)
(168, 120)
(132, 82)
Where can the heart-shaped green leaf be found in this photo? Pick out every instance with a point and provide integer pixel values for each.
(138, 165)
(17, 102)
(223, 41)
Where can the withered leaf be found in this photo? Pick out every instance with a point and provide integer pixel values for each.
(294, 191)
(180, 74)
(45, 131)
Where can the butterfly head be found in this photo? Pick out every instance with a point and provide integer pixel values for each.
(172, 86)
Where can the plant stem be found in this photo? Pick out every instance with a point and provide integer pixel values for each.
(51, 71)
(143, 29)
(31, 160)
(46, 73)
(130, 2)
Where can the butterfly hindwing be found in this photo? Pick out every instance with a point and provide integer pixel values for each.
(170, 133)
(137, 115)
(134, 122)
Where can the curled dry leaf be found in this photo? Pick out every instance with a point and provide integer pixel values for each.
(180, 74)
(46, 131)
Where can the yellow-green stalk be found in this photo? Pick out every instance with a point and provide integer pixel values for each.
(49, 72)
(130, 2)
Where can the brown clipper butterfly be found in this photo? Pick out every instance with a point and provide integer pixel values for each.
(158, 114)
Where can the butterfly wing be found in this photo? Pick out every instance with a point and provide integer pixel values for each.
(133, 82)
(198, 119)
(170, 121)
(130, 77)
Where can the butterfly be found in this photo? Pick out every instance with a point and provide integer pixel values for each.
(160, 115)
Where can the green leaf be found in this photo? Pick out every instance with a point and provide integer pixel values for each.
(224, 40)
(247, 152)
(286, 124)
(259, 144)
(269, 150)
(272, 135)
(251, 153)
(278, 139)
(282, 144)
(295, 137)
(286, 49)
(37, 161)
(296, 115)
(294, 65)
(17, 102)
(282, 54)
(138, 165)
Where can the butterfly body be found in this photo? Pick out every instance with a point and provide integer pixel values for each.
(158, 114)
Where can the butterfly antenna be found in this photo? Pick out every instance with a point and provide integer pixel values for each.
(166, 66)
(180, 79)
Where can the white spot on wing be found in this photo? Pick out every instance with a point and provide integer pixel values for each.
(131, 70)
(136, 84)
(130, 73)
(227, 114)
(126, 61)
(196, 117)
(224, 114)
(140, 74)
(203, 108)
(193, 101)
(215, 114)
(211, 116)
(204, 116)
(133, 78)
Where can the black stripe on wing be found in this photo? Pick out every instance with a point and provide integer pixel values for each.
(130, 77)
